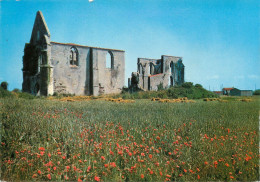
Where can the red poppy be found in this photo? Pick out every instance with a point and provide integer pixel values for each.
(142, 176)
(97, 178)
(42, 148)
(112, 164)
(39, 172)
(49, 176)
(34, 176)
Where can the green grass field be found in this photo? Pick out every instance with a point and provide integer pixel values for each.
(143, 141)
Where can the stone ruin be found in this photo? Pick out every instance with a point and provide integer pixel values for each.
(50, 67)
(154, 73)
(65, 68)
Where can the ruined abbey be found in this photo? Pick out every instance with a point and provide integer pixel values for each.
(51, 67)
(152, 73)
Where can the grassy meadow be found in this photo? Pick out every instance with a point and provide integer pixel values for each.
(98, 140)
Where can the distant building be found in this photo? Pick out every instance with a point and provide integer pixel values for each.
(246, 92)
(236, 92)
(218, 92)
(226, 91)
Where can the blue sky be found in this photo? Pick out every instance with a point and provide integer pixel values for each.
(218, 39)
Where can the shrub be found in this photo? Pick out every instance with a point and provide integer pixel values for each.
(25, 95)
(160, 87)
(16, 90)
(4, 85)
(5, 93)
(187, 85)
(198, 85)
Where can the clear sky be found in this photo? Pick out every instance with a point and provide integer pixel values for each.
(219, 40)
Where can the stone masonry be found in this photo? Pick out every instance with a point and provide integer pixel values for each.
(167, 71)
(50, 67)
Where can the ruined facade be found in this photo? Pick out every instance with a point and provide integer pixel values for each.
(50, 67)
(167, 71)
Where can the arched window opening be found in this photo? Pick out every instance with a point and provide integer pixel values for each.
(170, 81)
(74, 56)
(109, 60)
(151, 69)
(171, 67)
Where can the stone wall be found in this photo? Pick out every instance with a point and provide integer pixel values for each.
(108, 80)
(90, 76)
(69, 78)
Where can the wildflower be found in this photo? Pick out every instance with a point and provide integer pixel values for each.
(106, 165)
(150, 156)
(67, 167)
(49, 176)
(142, 154)
(112, 164)
(206, 163)
(79, 180)
(103, 158)
(231, 177)
(142, 176)
(54, 168)
(63, 157)
(42, 153)
(185, 170)
(160, 173)
(215, 164)
(34, 175)
(198, 176)
(49, 154)
(151, 172)
(168, 176)
(39, 172)
(227, 164)
(97, 178)
(130, 154)
(66, 177)
(42, 148)
(89, 167)
(111, 153)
